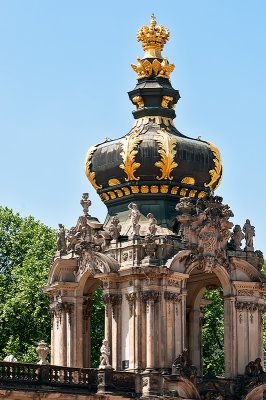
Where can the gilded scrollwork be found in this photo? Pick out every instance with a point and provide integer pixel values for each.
(129, 151)
(216, 172)
(145, 68)
(87, 166)
(167, 144)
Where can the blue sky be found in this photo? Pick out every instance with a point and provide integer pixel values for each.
(64, 76)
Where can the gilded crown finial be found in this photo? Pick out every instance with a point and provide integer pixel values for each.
(153, 38)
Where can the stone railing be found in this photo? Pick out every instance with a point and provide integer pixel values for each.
(16, 375)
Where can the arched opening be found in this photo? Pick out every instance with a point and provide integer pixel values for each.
(97, 326)
(212, 332)
(205, 322)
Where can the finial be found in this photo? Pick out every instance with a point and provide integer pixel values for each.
(153, 38)
(85, 204)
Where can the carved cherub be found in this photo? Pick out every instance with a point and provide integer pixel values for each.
(105, 353)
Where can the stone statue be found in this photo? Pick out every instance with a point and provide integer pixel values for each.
(237, 237)
(42, 350)
(61, 239)
(105, 353)
(115, 228)
(152, 224)
(134, 217)
(85, 203)
(182, 366)
(249, 232)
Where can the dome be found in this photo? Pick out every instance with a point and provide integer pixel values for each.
(153, 162)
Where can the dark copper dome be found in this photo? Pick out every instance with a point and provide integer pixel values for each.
(154, 162)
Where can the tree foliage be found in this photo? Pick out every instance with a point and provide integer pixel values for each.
(26, 248)
(97, 327)
(213, 333)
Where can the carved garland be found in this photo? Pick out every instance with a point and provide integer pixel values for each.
(167, 152)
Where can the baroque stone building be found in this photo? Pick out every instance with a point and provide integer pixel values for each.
(165, 241)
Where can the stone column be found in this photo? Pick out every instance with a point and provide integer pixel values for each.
(68, 308)
(138, 333)
(63, 338)
(150, 297)
(178, 348)
(195, 337)
(230, 337)
(78, 332)
(131, 299)
(113, 305)
(86, 331)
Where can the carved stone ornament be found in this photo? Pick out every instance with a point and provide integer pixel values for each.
(149, 245)
(205, 230)
(183, 367)
(131, 298)
(236, 238)
(85, 203)
(115, 228)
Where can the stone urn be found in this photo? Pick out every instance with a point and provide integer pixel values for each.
(42, 350)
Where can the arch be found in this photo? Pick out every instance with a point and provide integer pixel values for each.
(244, 271)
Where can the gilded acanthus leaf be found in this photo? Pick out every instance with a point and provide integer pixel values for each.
(167, 144)
(215, 174)
(129, 151)
(87, 166)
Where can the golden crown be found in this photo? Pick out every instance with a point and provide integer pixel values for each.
(153, 38)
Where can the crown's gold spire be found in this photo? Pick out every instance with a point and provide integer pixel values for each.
(153, 38)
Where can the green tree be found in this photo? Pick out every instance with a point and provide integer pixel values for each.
(26, 249)
(213, 333)
(97, 327)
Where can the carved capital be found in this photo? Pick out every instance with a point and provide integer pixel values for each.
(150, 295)
(170, 296)
(113, 300)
